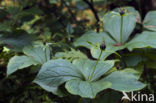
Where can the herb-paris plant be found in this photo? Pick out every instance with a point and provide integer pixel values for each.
(76, 77)
(117, 31)
(34, 55)
(83, 76)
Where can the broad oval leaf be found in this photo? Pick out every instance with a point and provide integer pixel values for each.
(124, 81)
(56, 72)
(145, 39)
(86, 67)
(92, 37)
(19, 62)
(40, 53)
(150, 21)
(86, 89)
(119, 27)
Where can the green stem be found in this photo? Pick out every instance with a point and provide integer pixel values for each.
(121, 25)
(95, 65)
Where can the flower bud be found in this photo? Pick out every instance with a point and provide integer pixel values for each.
(122, 12)
(102, 46)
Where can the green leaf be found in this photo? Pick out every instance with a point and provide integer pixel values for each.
(19, 62)
(90, 36)
(150, 21)
(86, 89)
(40, 53)
(54, 73)
(124, 81)
(143, 40)
(131, 71)
(37, 54)
(126, 23)
(86, 68)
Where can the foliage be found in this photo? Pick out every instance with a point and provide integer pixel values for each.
(84, 51)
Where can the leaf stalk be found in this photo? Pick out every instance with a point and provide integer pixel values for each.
(96, 65)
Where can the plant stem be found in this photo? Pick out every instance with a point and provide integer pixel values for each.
(121, 25)
(91, 5)
(95, 65)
